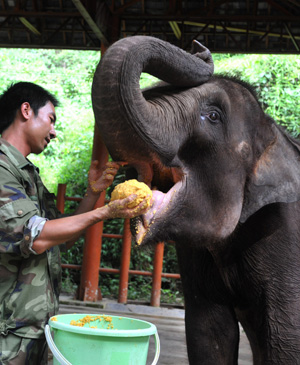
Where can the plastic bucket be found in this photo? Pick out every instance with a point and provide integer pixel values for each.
(108, 340)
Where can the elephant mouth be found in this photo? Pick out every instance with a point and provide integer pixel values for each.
(144, 225)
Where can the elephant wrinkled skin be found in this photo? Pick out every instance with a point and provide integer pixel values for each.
(227, 189)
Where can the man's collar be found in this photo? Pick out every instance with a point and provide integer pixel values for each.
(13, 154)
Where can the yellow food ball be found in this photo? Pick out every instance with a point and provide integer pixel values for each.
(130, 187)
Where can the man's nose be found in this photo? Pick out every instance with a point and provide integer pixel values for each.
(52, 132)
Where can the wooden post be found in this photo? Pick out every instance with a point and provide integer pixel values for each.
(89, 284)
(60, 197)
(125, 263)
(157, 270)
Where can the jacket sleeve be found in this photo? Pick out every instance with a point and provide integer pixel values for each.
(16, 209)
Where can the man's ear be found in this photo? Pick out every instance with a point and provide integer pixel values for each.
(26, 110)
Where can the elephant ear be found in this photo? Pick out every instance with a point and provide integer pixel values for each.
(276, 176)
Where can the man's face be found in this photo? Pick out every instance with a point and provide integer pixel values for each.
(41, 128)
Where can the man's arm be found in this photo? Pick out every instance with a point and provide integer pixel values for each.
(67, 229)
(99, 179)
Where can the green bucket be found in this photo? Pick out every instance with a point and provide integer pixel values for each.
(103, 340)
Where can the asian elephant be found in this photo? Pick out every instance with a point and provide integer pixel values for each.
(227, 190)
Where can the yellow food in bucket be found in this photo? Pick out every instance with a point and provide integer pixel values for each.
(130, 187)
(88, 319)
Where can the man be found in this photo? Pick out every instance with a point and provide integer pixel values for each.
(30, 230)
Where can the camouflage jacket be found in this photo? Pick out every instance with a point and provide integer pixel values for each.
(29, 283)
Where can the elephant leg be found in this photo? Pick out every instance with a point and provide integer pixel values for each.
(273, 333)
(212, 330)
(212, 334)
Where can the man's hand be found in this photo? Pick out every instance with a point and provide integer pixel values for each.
(99, 179)
(119, 208)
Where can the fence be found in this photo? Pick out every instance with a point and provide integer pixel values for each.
(124, 270)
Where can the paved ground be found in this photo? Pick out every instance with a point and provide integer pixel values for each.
(169, 323)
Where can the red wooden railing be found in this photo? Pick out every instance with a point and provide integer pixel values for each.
(124, 271)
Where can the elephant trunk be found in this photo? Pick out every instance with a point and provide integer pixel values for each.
(123, 114)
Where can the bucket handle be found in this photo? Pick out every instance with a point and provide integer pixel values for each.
(157, 353)
(63, 361)
(55, 351)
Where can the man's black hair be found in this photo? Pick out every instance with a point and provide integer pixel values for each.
(17, 94)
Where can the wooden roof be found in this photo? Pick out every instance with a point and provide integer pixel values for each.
(238, 26)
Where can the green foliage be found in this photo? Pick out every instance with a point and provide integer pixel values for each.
(68, 74)
(147, 80)
(276, 80)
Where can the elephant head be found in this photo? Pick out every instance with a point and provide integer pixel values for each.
(203, 141)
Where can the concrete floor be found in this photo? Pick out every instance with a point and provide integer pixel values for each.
(169, 323)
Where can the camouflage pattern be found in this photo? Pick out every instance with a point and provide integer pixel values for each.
(16, 350)
(29, 283)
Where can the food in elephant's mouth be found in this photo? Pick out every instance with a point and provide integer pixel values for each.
(161, 202)
(129, 187)
(158, 203)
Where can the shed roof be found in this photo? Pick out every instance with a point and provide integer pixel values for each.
(242, 26)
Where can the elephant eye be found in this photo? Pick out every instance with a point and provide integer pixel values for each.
(214, 116)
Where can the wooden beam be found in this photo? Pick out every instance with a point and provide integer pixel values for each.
(239, 30)
(293, 38)
(281, 9)
(29, 26)
(121, 9)
(294, 2)
(176, 29)
(40, 14)
(90, 22)
(215, 17)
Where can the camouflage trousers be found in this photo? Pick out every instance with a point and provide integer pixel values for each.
(15, 350)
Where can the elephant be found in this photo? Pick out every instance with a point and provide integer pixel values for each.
(226, 188)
